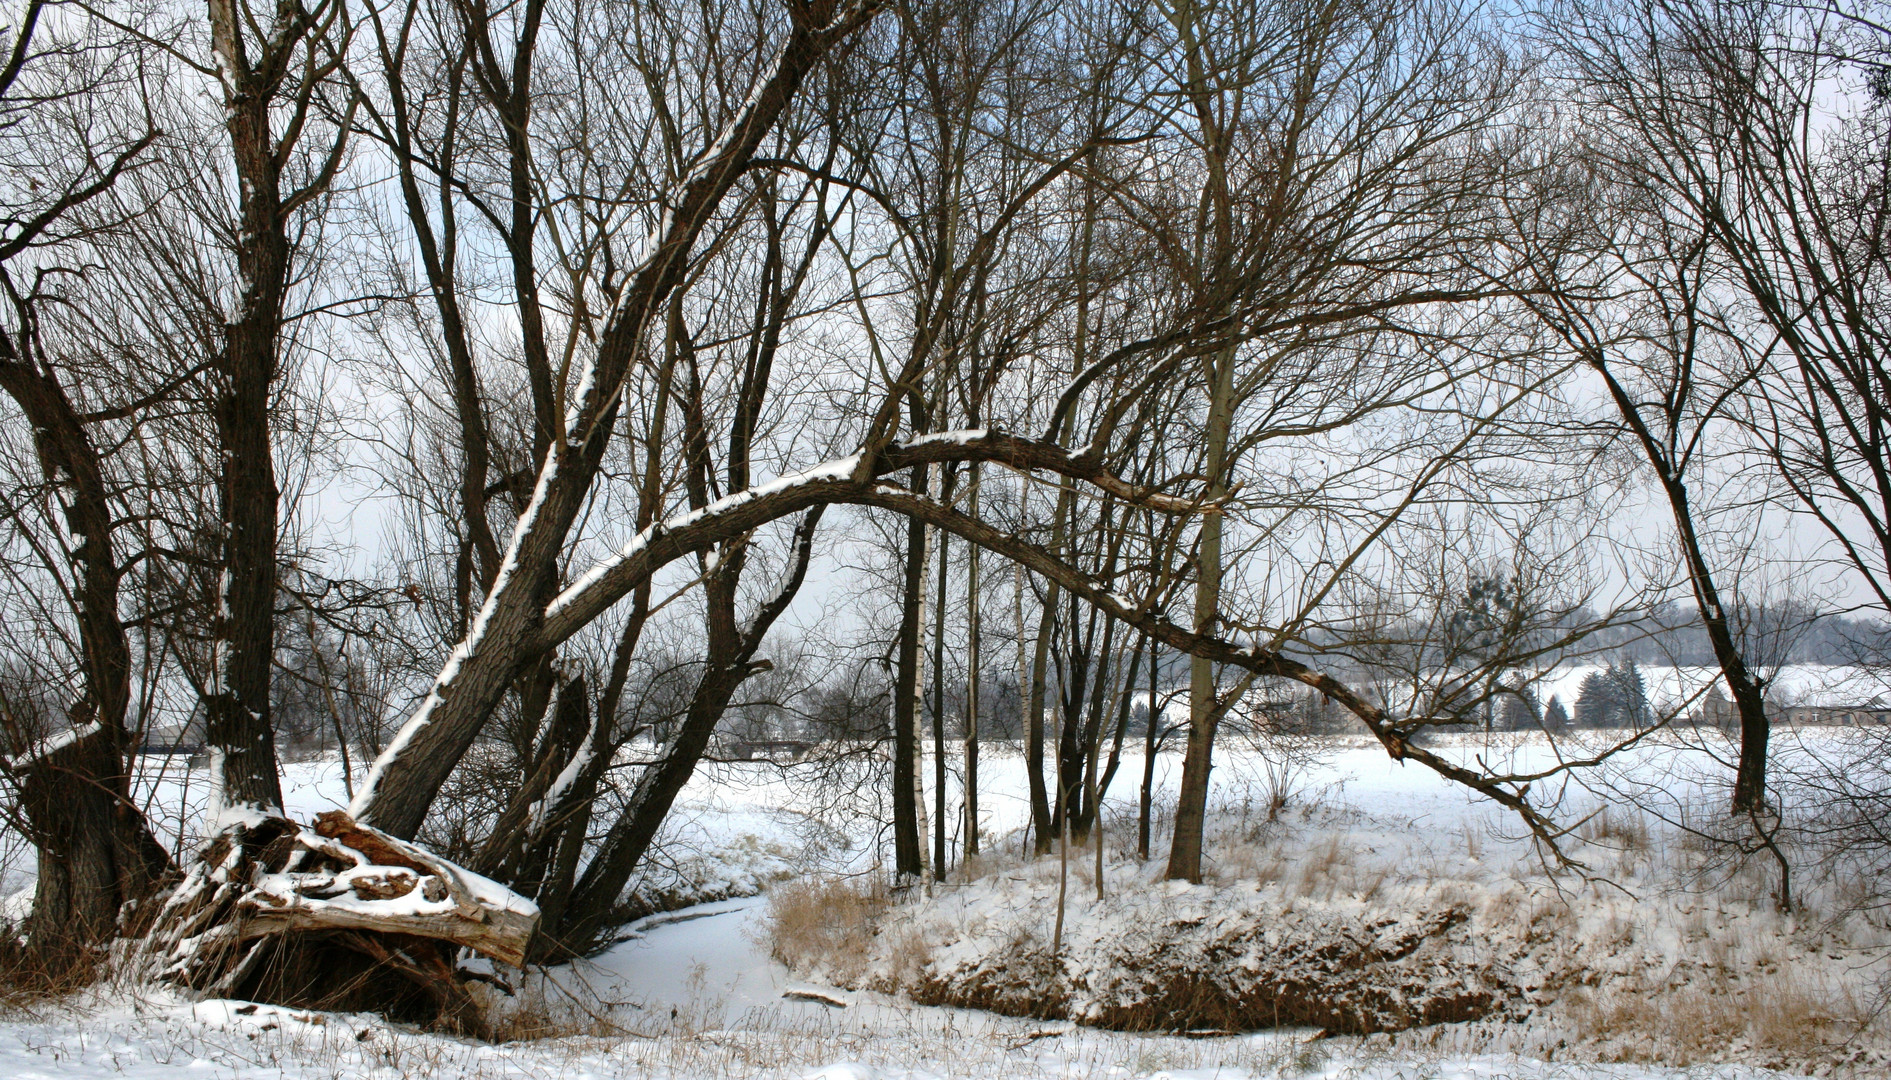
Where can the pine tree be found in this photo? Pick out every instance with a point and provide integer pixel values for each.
(1596, 705)
(1555, 717)
(1631, 697)
(1519, 712)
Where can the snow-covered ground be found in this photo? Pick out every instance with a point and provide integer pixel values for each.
(695, 993)
(698, 999)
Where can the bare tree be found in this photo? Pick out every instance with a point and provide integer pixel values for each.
(73, 778)
(275, 71)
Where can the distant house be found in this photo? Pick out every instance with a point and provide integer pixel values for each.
(1718, 711)
(1871, 712)
(768, 749)
(173, 739)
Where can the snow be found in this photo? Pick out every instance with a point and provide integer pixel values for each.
(694, 993)
(52, 744)
(701, 1000)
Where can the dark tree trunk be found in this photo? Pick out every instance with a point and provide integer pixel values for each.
(1043, 831)
(1122, 727)
(95, 852)
(1749, 790)
(1090, 743)
(1073, 682)
(237, 708)
(908, 859)
(972, 634)
(1150, 736)
(938, 699)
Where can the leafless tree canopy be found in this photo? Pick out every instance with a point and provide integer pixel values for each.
(491, 392)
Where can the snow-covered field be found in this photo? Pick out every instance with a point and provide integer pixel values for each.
(695, 993)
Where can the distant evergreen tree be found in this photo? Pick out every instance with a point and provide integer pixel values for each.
(1555, 717)
(1631, 697)
(1615, 697)
(1519, 712)
(1596, 705)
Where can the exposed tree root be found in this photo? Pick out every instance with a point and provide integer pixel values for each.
(321, 917)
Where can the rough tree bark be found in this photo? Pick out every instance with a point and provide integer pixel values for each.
(95, 852)
(255, 69)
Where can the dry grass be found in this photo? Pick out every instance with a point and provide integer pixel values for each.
(1780, 1019)
(25, 982)
(827, 925)
(1261, 862)
(536, 1014)
(1623, 828)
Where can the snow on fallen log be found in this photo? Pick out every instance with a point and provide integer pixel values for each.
(45, 748)
(265, 880)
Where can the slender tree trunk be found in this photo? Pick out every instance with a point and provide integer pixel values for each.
(908, 851)
(1090, 737)
(1091, 793)
(1749, 789)
(938, 693)
(1034, 774)
(972, 633)
(1749, 786)
(1125, 700)
(1043, 829)
(1063, 842)
(1149, 744)
(1072, 683)
(1185, 850)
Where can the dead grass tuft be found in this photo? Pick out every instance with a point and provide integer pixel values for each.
(827, 925)
(532, 1016)
(1780, 1019)
(26, 981)
(1617, 827)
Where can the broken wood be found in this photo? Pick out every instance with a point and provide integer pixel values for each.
(832, 1001)
(266, 881)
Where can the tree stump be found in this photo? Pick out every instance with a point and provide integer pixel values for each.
(318, 917)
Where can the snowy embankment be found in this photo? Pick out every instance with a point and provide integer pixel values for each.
(694, 997)
(1654, 966)
(1385, 901)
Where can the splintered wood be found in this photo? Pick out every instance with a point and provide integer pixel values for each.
(266, 877)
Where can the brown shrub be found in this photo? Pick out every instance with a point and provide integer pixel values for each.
(1617, 828)
(825, 924)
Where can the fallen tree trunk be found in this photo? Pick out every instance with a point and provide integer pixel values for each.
(315, 916)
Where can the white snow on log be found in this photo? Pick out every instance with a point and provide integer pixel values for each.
(364, 798)
(52, 744)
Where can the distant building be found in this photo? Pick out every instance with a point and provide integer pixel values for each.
(1718, 711)
(768, 749)
(169, 739)
(1872, 712)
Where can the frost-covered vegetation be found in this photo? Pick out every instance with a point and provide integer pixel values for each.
(1357, 533)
